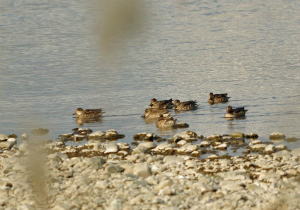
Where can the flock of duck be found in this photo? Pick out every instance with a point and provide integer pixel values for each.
(158, 110)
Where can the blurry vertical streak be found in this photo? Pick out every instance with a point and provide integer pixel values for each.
(116, 21)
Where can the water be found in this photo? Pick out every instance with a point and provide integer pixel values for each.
(51, 64)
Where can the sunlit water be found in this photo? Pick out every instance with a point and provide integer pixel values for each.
(51, 64)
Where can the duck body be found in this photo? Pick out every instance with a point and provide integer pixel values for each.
(237, 112)
(217, 98)
(166, 122)
(164, 104)
(155, 113)
(185, 106)
(88, 113)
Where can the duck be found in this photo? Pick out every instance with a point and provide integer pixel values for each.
(185, 106)
(164, 104)
(88, 113)
(155, 113)
(237, 112)
(217, 98)
(166, 122)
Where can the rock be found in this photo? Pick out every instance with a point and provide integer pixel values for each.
(280, 147)
(39, 131)
(237, 135)
(96, 134)
(205, 144)
(163, 184)
(234, 175)
(292, 172)
(111, 134)
(282, 154)
(142, 170)
(3, 137)
(230, 186)
(221, 146)
(270, 148)
(213, 156)
(24, 137)
(186, 135)
(113, 168)
(182, 142)
(12, 140)
(163, 146)
(111, 148)
(148, 145)
(251, 136)
(173, 159)
(258, 147)
(254, 142)
(296, 151)
(140, 149)
(6, 144)
(214, 137)
(291, 139)
(277, 136)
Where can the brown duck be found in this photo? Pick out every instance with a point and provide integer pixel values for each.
(217, 98)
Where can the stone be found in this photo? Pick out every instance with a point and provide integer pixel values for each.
(205, 144)
(280, 147)
(270, 148)
(111, 134)
(140, 149)
(163, 184)
(39, 131)
(237, 135)
(296, 151)
(96, 134)
(277, 136)
(111, 148)
(142, 170)
(6, 144)
(148, 145)
(291, 139)
(186, 135)
(251, 136)
(173, 159)
(222, 146)
(182, 142)
(113, 168)
(3, 137)
(258, 147)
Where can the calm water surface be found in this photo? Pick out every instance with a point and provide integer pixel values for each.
(51, 65)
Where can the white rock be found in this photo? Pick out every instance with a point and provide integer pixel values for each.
(221, 146)
(12, 140)
(254, 142)
(3, 137)
(111, 148)
(182, 142)
(148, 145)
(270, 148)
(97, 134)
(205, 144)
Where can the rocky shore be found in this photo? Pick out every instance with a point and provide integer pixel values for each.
(155, 174)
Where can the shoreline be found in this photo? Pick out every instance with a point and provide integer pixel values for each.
(108, 175)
